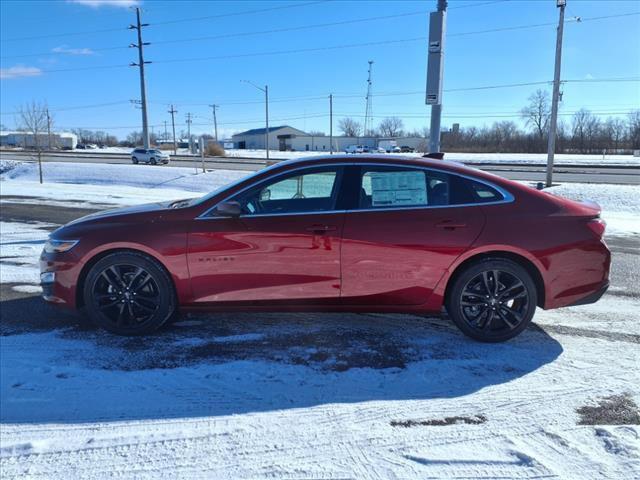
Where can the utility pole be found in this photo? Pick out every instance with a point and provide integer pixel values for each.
(166, 137)
(368, 119)
(435, 68)
(189, 129)
(266, 108)
(553, 124)
(214, 107)
(331, 124)
(48, 129)
(141, 63)
(173, 111)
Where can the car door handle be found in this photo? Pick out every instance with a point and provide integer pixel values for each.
(450, 224)
(319, 229)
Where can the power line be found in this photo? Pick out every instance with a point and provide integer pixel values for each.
(347, 95)
(339, 23)
(78, 107)
(170, 22)
(476, 4)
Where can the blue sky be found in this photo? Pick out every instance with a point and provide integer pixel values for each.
(53, 51)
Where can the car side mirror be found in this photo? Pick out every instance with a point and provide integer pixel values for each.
(229, 209)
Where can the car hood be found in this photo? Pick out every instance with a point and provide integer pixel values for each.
(116, 212)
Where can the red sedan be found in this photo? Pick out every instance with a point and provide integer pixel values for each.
(336, 233)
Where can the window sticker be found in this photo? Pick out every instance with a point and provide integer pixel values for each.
(398, 188)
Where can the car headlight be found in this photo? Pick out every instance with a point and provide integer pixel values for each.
(59, 246)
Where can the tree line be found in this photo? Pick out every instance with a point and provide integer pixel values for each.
(584, 132)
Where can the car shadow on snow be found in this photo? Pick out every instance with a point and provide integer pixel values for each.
(56, 368)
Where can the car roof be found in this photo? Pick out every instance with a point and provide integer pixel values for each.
(382, 159)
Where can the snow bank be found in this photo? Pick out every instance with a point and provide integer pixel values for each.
(140, 176)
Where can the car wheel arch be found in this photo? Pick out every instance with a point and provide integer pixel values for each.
(527, 263)
(95, 258)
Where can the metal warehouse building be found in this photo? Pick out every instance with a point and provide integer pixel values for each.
(28, 140)
(286, 138)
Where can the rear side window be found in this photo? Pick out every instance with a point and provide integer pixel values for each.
(385, 187)
(484, 193)
(389, 187)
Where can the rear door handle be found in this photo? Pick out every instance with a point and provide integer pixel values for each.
(450, 224)
(319, 229)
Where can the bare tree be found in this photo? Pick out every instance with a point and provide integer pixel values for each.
(391, 127)
(537, 113)
(349, 127)
(634, 129)
(317, 133)
(614, 130)
(33, 120)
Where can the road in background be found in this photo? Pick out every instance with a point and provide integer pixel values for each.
(575, 173)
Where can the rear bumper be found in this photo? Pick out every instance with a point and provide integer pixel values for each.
(592, 297)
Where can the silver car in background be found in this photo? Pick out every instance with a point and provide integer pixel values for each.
(152, 156)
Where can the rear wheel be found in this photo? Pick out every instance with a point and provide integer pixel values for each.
(492, 300)
(129, 294)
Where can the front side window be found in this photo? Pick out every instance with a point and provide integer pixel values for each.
(313, 190)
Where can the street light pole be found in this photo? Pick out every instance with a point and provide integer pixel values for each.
(266, 109)
(331, 124)
(553, 124)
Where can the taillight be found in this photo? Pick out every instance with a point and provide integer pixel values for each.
(597, 226)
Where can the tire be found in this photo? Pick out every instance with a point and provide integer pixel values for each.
(153, 161)
(134, 160)
(491, 311)
(129, 293)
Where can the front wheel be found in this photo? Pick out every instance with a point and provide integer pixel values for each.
(134, 160)
(129, 293)
(153, 161)
(492, 300)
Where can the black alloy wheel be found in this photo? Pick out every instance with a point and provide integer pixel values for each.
(492, 300)
(129, 294)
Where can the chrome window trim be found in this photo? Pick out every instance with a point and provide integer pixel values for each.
(507, 196)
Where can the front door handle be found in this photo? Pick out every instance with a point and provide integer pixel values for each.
(450, 224)
(320, 229)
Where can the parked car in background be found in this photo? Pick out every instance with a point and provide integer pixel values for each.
(378, 150)
(393, 149)
(387, 145)
(91, 146)
(354, 149)
(80, 146)
(406, 149)
(337, 233)
(152, 156)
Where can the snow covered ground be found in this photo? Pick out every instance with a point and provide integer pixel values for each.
(328, 396)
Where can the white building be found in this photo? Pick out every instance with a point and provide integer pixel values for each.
(64, 140)
(285, 138)
(255, 138)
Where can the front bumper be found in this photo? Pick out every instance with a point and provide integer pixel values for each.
(58, 277)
